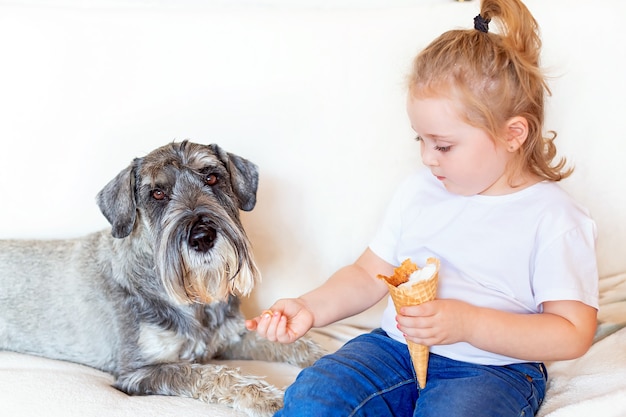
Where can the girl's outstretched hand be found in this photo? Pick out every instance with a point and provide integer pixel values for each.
(285, 322)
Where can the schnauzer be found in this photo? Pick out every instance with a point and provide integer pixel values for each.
(154, 298)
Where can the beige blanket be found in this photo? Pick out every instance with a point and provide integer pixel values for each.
(593, 385)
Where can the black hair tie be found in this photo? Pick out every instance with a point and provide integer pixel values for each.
(482, 24)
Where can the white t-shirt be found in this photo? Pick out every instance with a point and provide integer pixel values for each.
(509, 252)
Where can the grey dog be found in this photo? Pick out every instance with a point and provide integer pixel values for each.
(156, 297)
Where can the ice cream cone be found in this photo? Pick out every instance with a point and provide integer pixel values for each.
(418, 293)
(419, 357)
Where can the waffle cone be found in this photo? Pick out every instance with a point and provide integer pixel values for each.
(418, 293)
(419, 357)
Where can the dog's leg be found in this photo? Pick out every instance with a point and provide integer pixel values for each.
(302, 353)
(217, 384)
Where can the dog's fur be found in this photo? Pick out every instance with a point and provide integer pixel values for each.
(154, 298)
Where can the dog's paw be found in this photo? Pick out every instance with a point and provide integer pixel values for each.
(255, 397)
(210, 383)
(225, 385)
(260, 401)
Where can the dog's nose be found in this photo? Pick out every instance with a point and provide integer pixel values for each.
(202, 236)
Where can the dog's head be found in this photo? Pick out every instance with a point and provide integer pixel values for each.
(181, 203)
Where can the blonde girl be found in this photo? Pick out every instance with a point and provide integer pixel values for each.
(518, 281)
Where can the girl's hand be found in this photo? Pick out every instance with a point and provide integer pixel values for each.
(437, 322)
(285, 322)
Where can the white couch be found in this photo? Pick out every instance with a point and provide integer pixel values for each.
(313, 92)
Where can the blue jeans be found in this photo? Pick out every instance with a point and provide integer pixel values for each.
(372, 375)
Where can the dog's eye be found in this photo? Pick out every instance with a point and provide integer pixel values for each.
(211, 179)
(158, 194)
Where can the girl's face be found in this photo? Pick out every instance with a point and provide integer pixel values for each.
(464, 158)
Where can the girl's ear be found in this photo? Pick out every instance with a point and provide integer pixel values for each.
(516, 131)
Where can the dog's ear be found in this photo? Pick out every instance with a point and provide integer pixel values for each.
(117, 202)
(244, 177)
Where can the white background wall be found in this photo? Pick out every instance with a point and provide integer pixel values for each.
(313, 92)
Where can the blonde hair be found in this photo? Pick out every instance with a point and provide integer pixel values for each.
(496, 76)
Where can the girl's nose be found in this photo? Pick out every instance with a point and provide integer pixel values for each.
(429, 157)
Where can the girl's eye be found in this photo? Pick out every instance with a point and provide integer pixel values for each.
(418, 138)
(211, 179)
(158, 194)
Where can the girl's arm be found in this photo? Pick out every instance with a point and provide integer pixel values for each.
(563, 331)
(349, 291)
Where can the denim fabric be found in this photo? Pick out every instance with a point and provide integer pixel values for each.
(372, 375)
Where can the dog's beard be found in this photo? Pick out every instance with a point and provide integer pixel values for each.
(191, 276)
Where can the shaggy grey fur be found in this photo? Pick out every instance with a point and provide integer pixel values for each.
(156, 297)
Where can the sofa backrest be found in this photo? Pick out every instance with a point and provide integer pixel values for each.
(312, 92)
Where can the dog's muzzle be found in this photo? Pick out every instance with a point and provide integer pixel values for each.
(202, 236)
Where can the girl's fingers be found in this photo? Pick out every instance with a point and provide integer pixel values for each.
(273, 325)
(252, 324)
(262, 324)
(269, 323)
(283, 331)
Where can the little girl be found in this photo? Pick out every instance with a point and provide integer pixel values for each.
(518, 280)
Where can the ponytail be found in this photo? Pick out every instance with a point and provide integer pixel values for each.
(496, 76)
